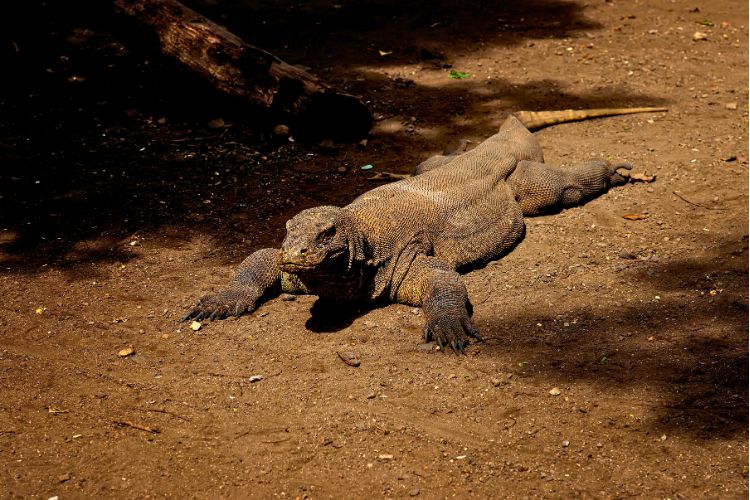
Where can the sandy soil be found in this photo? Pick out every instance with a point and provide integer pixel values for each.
(120, 206)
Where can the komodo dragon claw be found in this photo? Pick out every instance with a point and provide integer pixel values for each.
(450, 335)
(228, 302)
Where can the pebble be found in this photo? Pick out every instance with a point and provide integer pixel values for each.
(195, 326)
(128, 351)
(414, 492)
(624, 254)
(350, 358)
(385, 456)
(731, 105)
(255, 378)
(427, 346)
(555, 391)
(216, 123)
(699, 35)
(565, 443)
(281, 130)
(288, 297)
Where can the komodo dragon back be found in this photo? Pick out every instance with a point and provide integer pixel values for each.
(534, 120)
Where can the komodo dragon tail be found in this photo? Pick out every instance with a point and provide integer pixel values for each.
(534, 120)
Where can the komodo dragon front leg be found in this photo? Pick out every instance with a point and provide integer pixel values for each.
(258, 278)
(434, 285)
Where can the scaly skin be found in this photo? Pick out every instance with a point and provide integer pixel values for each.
(406, 241)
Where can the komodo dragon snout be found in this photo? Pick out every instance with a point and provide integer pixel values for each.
(312, 239)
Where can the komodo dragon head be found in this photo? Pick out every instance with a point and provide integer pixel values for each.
(316, 239)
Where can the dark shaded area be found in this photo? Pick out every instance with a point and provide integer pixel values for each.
(101, 136)
(696, 358)
(327, 316)
(327, 30)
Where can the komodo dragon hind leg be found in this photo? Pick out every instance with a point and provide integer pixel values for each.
(435, 286)
(258, 278)
(540, 188)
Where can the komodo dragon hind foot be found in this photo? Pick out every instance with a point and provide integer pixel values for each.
(617, 178)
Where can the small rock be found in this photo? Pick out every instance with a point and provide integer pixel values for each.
(385, 456)
(341, 170)
(216, 123)
(624, 254)
(195, 326)
(128, 351)
(414, 492)
(565, 443)
(699, 35)
(427, 346)
(255, 378)
(350, 358)
(496, 381)
(63, 477)
(372, 395)
(288, 297)
(555, 391)
(731, 105)
(281, 130)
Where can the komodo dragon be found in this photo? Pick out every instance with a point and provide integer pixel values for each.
(407, 241)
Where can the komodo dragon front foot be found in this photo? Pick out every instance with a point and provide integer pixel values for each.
(449, 324)
(229, 302)
(452, 335)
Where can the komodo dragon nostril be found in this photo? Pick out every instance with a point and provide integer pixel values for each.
(303, 250)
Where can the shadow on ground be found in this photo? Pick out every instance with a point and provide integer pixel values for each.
(690, 346)
(103, 138)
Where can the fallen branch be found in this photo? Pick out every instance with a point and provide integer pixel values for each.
(128, 423)
(249, 73)
(696, 204)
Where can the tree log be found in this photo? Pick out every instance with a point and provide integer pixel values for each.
(251, 74)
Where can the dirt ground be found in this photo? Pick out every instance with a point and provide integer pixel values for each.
(615, 361)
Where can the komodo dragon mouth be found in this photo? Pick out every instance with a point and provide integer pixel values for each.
(309, 263)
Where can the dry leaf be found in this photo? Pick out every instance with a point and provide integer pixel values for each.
(55, 410)
(642, 177)
(635, 216)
